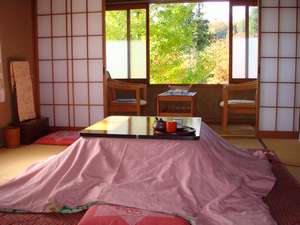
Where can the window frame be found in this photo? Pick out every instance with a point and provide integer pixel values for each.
(128, 7)
(247, 5)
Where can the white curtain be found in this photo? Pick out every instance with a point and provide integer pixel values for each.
(2, 91)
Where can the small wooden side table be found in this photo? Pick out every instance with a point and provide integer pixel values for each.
(171, 97)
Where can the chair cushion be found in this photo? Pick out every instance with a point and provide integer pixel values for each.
(238, 102)
(129, 101)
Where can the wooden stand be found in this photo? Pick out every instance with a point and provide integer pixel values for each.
(34, 129)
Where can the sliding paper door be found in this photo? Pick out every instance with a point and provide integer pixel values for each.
(70, 61)
(279, 66)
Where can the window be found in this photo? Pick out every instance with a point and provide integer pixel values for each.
(126, 51)
(183, 43)
(189, 43)
(244, 42)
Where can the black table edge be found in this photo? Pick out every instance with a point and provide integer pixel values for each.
(153, 137)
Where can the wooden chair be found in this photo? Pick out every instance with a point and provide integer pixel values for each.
(117, 104)
(237, 106)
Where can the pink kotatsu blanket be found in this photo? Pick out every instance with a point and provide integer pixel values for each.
(208, 181)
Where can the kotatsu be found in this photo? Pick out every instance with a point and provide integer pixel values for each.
(207, 181)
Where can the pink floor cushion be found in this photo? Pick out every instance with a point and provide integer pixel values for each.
(120, 215)
(59, 138)
(159, 220)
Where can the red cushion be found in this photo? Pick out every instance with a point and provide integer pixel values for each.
(119, 215)
(59, 138)
(103, 220)
(151, 220)
(91, 218)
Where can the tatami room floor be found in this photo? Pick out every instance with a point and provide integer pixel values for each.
(14, 161)
(236, 130)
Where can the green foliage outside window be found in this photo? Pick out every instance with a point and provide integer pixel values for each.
(253, 22)
(116, 25)
(184, 46)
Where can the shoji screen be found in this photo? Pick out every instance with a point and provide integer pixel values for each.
(70, 61)
(279, 65)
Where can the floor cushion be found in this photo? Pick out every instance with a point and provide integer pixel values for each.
(120, 215)
(59, 138)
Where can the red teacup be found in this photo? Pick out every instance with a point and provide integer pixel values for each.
(171, 126)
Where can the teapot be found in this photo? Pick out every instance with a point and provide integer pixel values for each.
(159, 124)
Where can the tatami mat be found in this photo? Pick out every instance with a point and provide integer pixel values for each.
(251, 143)
(14, 161)
(235, 130)
(288, 151)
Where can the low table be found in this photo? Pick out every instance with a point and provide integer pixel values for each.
(176, 98)
(138, 127)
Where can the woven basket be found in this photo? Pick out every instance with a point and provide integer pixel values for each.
(12, 137)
